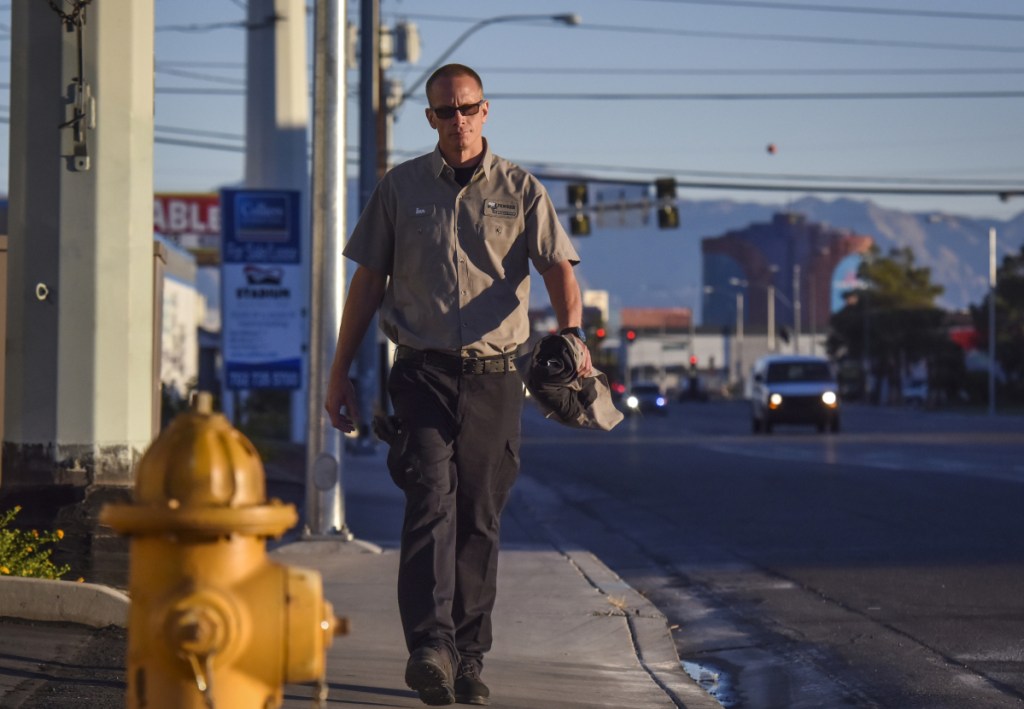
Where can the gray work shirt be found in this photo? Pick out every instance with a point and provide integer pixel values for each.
(458, 257)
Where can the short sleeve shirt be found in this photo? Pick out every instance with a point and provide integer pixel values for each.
(458, 258)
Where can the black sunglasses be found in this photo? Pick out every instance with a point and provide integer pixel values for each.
(469, 109)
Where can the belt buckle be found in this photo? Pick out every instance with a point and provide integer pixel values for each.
(472, 365)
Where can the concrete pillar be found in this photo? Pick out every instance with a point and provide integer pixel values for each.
(276, 118)
(78, 395)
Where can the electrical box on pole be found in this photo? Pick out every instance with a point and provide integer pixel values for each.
(407, 43)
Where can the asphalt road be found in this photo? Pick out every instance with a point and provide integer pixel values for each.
(879, 567)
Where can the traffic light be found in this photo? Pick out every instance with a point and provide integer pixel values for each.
(600, 333)
(668, 212)
(630, 336)
(693, 364)
(579, 222)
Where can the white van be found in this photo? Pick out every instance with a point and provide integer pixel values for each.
(795, 389)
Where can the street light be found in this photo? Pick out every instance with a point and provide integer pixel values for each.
(992, 239)
(740, 285)
(992, 321)
(570, 19)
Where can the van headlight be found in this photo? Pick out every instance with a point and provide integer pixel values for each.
(830, 399)
(632, 402)
(775, 401)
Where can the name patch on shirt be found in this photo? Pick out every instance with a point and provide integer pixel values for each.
(494, 208)
(424, 211)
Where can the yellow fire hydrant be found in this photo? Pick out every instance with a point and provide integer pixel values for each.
(214, 624)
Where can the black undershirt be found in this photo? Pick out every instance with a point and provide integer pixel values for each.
(464, 174)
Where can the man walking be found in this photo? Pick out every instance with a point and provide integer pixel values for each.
(443, 249)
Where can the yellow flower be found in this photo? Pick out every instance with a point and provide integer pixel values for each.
(28, 549)
(60, 534)
(4, 570)
(17, 508)
(35, 533)
(80, 580)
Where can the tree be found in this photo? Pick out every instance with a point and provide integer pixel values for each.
(892, 321)
(1009, 321)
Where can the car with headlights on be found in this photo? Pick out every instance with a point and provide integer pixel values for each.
(794, 389)
(646, 398)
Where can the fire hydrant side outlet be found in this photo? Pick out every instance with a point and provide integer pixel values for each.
(310, 626)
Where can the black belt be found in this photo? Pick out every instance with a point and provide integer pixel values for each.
(456, 364)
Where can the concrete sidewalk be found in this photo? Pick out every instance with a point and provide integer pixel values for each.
(569, 633)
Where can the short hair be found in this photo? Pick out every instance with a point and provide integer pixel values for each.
(450, 71)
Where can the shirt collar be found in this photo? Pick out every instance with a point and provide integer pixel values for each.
(438, 163)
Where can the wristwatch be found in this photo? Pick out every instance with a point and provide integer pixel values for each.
(579, 332)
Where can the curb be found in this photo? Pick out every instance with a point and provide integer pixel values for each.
(652, 640)
(653, 645)
(51, 601)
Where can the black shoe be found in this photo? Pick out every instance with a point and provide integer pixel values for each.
(429, 672)
(469, 688)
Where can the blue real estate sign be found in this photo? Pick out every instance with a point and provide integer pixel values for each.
(261, 291)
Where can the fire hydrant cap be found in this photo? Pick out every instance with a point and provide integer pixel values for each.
(201, 460)
(201, 474)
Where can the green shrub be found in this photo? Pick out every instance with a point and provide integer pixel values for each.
(22, 552)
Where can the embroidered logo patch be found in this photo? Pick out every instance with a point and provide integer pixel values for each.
(501, 209)
(423, 211)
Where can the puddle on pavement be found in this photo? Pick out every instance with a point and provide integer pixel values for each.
(713, 681)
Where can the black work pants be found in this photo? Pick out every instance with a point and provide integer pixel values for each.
(456, 460)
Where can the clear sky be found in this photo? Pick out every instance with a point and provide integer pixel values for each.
(697, 89)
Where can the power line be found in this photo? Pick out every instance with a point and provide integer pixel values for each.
(781, 71)
(207, 27)
(720, 96)
(712, 34)
(767, 182)
(198, 132)
(199, 76)
(198, 144)
(208, 65)
(943, 14)
(1002, 193)
(806, 39)
(269, 21)
(179, 90)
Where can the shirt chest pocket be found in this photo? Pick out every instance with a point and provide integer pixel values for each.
(419, 237)
(501, 220)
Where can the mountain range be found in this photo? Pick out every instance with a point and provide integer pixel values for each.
(643, 266)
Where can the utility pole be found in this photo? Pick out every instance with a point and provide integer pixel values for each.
(369, 110)
(277, 112)
(79, 379)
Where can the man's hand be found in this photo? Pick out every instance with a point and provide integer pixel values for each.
(364, 296)
(341, 394)
(586, 365)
